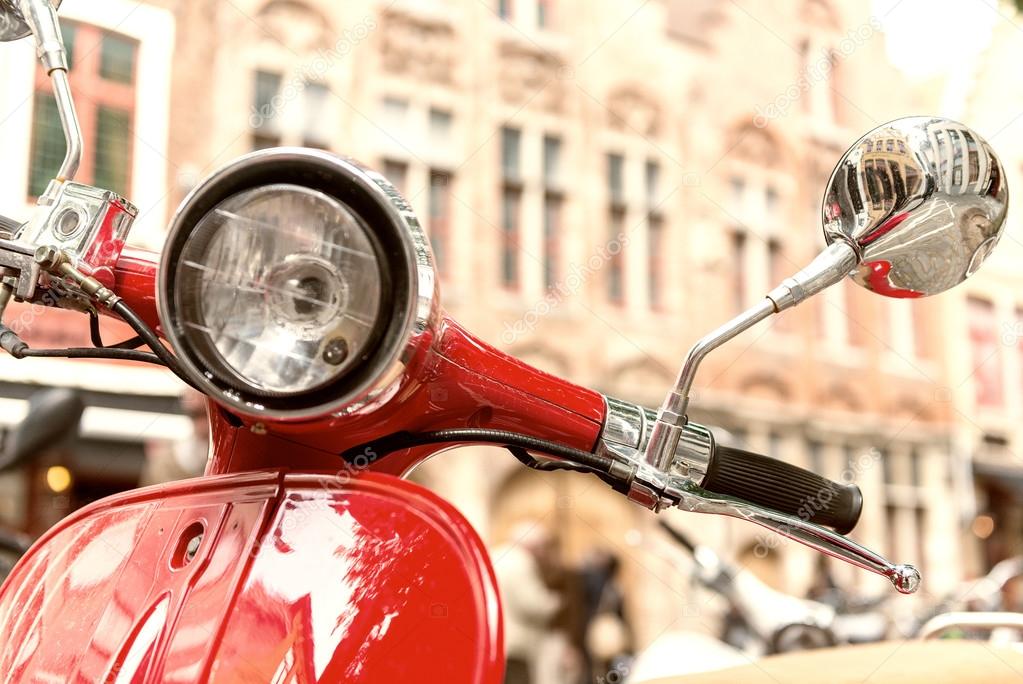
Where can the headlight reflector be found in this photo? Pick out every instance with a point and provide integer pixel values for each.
(278, 289)
(296, 284)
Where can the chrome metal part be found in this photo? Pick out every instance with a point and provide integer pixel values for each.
(672, 417)
(905, 578)
(19, 268)
(409, 263)
(88, 224)
(923, 202)
(939, 624)
(628, 427)
(69, 123)
(15, 22)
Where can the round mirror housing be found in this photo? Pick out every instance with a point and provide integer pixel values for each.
(921, 200)
(13, 25)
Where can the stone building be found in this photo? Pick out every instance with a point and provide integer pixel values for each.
(603, 182)
(987, 366)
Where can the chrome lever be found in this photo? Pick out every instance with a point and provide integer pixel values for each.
(905, 578)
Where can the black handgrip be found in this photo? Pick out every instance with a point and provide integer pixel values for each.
(783, 487)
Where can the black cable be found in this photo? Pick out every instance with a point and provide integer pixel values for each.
(152, 341)
(90, 353)
(595, 463)
(97, 338)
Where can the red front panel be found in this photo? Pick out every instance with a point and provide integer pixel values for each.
(298, 578)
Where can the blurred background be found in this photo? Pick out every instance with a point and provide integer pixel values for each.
(602, 182)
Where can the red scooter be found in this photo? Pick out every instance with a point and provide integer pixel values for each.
(297, 291)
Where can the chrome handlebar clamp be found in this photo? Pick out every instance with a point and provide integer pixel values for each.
(88, 224)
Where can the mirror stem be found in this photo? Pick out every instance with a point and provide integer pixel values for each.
(69, 122)
(42, 19)
(830, 266)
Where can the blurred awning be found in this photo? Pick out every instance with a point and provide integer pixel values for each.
(1009, 475)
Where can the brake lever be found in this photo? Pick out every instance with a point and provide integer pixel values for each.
(690, 497)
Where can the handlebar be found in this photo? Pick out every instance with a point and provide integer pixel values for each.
(783, 487)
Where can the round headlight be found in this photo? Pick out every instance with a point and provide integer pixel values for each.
(278, 288)
(291, 282)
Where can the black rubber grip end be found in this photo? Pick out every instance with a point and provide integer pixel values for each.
(784, 487)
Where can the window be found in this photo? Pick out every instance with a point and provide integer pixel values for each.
(655, 237)
(736, 192)
(440, 124)
(985, 358)
(771, 204)
(511, 142)
(264, 103)
(117, 59)
(778, 270)
(739, 270)
(317, 130)
(113, 149)
(395, 111)
(440, 218)
(616, 179)
(312, 121)
(511, 201)
(615, 265)
(106, 108)
(543, 13)
(397, 173)
(616, 227)
(553, 201)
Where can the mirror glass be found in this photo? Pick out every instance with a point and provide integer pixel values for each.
(12, 24)
(923, 200)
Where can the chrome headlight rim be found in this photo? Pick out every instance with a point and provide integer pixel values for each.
(401, 247)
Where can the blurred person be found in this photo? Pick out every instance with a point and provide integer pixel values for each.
(607, 633)
(185, 457)
(529, 604)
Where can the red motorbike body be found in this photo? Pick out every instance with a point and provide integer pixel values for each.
(285, 563)
(375, 580)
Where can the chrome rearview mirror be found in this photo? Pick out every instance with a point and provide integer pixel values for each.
(912, 209)
(15, 22)
(922, 201)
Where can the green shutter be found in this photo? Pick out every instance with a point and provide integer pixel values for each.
(48, 147)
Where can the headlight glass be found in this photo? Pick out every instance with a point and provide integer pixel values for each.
(278, 290)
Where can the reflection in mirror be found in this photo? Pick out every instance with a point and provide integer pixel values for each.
(923, 201)
(12, 21)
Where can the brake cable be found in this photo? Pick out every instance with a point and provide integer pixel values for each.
(520, 446)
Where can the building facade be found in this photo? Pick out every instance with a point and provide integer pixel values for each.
(602, 183)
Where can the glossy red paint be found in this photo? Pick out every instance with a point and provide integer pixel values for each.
(877, 276)
(321, 578)
(454, 380)
(135, 283)
(329, 570)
